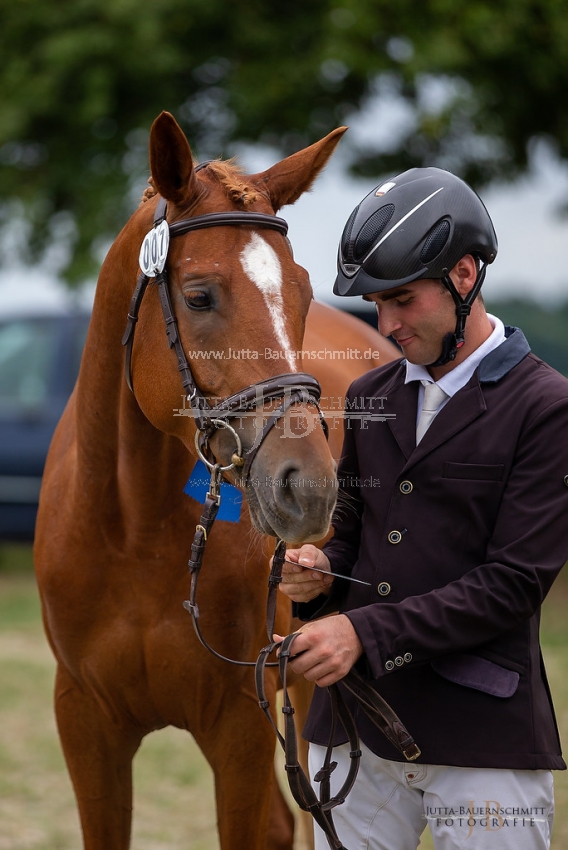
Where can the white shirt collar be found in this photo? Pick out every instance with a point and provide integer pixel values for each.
(457, 378)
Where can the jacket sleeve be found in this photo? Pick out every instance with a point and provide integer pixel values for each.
(525, 552)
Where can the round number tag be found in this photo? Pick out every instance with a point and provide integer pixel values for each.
(154, 250)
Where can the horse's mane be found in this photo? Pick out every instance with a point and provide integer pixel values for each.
(231, 178)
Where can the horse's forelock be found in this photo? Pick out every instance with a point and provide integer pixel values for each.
(233, 180)
(229, 175)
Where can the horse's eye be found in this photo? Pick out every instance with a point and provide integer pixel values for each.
(197, 299)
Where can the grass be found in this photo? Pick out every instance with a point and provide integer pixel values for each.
(174, 790)
(174, 807)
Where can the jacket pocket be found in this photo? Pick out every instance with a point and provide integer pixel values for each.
(474, 471)
(471, 671)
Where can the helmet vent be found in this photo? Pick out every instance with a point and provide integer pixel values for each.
(371, 230)
(346, 253)
(435, 241)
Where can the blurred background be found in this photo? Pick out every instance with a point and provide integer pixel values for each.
(475, 87)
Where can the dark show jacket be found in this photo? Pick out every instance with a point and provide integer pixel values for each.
(461, 537)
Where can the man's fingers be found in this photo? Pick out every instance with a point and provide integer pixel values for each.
(302, 575)
(305, 662)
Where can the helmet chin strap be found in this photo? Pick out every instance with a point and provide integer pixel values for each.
(452, 342)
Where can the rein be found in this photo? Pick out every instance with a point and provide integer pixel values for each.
(374, 706)
(202, 530)
(289, 389)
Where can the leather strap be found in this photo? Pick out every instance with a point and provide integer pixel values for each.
(132, 318)
(274, 580)
(198, 401)
(252, 219)
(300, 786)
(381, 714)
(374, 706)
(202, 531)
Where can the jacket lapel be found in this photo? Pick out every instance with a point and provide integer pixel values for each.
(401, 403)
(462, 409)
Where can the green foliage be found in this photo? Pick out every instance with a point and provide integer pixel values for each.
(82, 80)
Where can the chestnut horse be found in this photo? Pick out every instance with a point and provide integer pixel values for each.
(114, 526)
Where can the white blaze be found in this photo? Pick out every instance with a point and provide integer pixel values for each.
(261, 264)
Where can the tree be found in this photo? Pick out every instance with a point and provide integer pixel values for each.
(82, 80)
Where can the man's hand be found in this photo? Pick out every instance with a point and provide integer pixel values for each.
(325, 650)
(298, 583)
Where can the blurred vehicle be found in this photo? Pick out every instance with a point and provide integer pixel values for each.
(40, 351)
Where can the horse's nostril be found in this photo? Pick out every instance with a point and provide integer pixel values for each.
(286, 481)
(292, 487)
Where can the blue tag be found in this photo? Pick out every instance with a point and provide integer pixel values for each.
(231, 497)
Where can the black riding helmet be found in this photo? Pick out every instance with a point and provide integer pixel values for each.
(417, 225)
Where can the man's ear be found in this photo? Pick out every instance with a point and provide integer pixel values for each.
(464, 274)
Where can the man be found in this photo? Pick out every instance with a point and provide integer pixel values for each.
(454, 507)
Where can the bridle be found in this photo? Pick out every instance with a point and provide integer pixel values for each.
(286, 389)
(291, 387)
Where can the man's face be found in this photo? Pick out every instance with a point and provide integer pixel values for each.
(418, 316)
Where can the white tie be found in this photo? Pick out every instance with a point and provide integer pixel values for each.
(433, 398)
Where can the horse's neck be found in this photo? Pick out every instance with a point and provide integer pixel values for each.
(121, 458)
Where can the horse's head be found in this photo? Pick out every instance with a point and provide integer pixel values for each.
(240, 302)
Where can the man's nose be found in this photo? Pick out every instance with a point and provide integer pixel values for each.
(388, 322)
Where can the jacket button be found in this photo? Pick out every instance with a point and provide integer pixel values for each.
(408, 657)
(384, 588)
(399, 660)
(406, 487)
(566, 480)
(389, 665)
(394, 537)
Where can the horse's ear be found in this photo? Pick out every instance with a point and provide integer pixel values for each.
(293, 176)
(171, 163)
